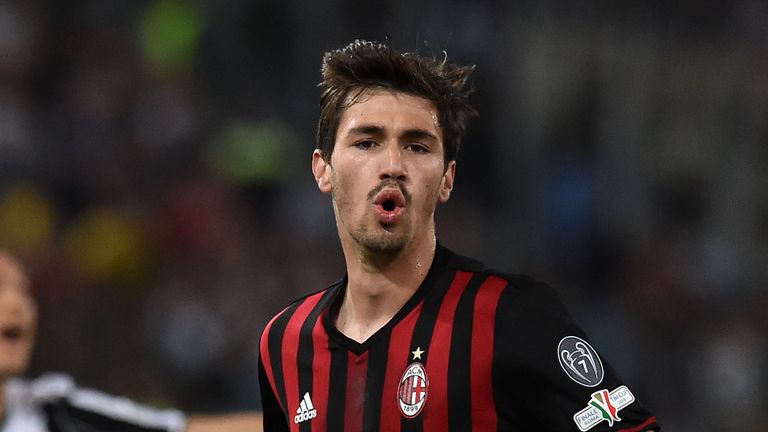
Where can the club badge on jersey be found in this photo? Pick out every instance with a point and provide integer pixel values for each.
(414, 385)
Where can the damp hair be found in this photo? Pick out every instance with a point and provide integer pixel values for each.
(364, 65)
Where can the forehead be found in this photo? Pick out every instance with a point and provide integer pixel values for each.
(387, 108)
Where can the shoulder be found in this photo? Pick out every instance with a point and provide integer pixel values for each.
(520, 301)
(523, 290)
(516, 302)
(311, 300)
(49, 386)
(25, 400)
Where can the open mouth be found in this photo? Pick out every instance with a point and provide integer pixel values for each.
(389, 205)
(390, 199)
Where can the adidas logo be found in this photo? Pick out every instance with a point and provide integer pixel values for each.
(306, 410)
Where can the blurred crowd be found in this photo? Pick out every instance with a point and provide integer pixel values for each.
(154, 176)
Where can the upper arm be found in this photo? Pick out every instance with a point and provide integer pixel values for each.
(556, 380)
(274, 419)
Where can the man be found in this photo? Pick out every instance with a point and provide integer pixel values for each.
(52, 403)
(415, 337)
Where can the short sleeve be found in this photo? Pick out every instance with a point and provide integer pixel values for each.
(548, 376)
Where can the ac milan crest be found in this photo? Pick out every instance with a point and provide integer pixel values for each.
(412, 393)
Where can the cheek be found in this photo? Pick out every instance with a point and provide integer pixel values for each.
(343, 191)
(431, 192)
(33, 316)
(29, 311)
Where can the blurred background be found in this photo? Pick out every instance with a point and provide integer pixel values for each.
(154, 176)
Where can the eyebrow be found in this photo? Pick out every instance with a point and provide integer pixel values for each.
(366, 130)
(378, 130)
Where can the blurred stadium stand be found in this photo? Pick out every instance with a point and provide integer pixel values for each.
(154, 175)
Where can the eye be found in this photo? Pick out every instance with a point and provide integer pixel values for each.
(417, 148)
(365, 144)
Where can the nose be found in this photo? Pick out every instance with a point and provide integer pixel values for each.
(392, 165)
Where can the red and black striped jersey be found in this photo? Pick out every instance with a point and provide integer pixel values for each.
(472, 350)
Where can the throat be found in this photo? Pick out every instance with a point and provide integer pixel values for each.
(360, 315)
(378, 287)
(359, 330)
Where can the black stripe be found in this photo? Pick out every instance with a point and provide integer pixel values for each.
(337, 387)
(422, 335)
(459, 374)
(306, 354)
(512, 418)
(374, 382)
(275, 346)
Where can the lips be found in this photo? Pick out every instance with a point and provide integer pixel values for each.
(388, 205)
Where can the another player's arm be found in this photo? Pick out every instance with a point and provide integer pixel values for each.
(237, 422)
(67, 404)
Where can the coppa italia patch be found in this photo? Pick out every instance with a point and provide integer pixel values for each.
(603, 406)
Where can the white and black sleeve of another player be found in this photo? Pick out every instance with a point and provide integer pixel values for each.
(53, 403)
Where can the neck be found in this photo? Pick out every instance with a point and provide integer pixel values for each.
(379, 285)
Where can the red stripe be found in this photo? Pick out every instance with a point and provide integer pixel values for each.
(290, 348)
(397, 360)
(265, 359)
(483, 325)
(321, 371)
(642, 427)
(436, 408)
(357, 368)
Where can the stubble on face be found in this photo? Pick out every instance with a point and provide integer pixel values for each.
(381, 239)
(387, 117)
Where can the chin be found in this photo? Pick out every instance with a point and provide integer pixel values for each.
(12, 371)
(17, 365)
(389, 246)
(386, 243)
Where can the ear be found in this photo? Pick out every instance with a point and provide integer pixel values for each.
(322, 172)
(446, 185)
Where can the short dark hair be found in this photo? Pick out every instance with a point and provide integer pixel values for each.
(362, 65)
